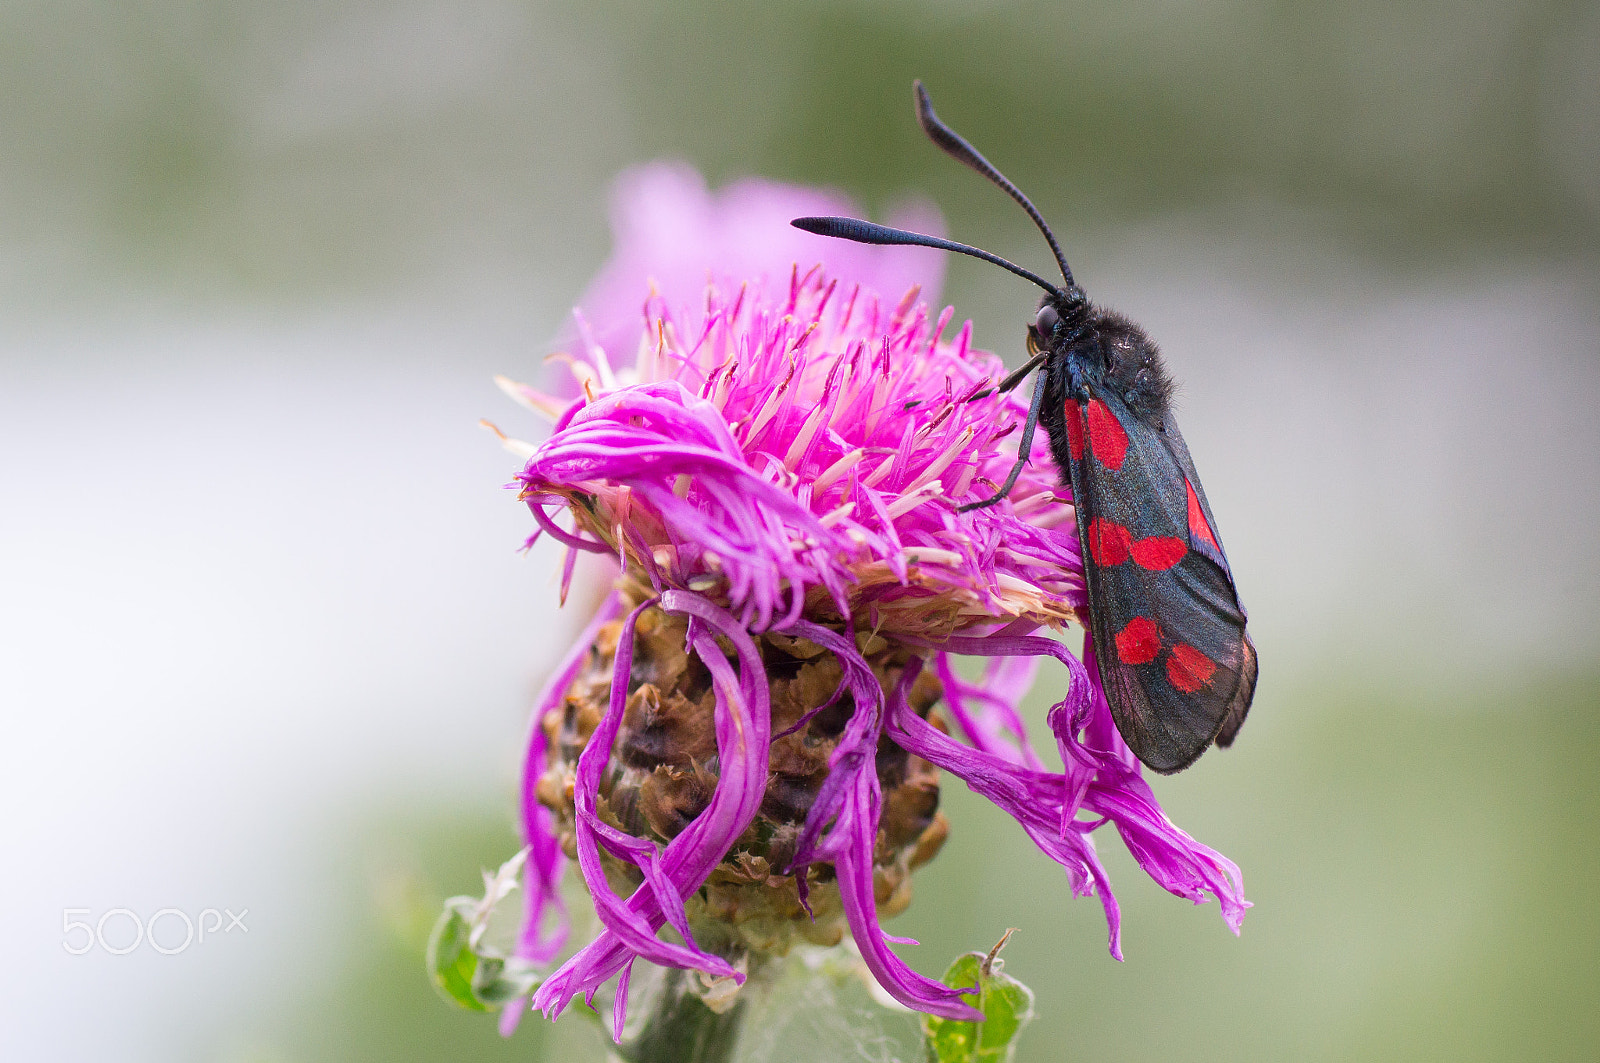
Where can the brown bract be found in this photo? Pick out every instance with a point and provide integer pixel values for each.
(664, 768)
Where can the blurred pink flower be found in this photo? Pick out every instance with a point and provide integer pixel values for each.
(671, 233)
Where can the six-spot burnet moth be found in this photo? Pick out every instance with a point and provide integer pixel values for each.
(1165, 621)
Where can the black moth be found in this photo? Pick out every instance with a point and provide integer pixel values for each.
(1168, 631)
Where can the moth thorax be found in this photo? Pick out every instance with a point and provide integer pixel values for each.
(1132, 365)
(664, 768)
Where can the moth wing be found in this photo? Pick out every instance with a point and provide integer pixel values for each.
(1169, 633)
(1204, 537)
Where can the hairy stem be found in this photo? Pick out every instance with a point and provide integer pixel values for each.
(681, 1029)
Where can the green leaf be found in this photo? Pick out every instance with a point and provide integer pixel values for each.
(451, 962)
(499, 981)
(463, 967)
(1006, 1004)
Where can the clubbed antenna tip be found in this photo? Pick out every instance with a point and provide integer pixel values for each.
(956, 146)
(866, 232)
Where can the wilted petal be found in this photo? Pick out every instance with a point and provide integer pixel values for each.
(1037, 800)
(1176, 861)
(743, 724)
(986, 711)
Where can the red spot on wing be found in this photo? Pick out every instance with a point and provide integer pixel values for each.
(1139, 642)
(1109, 542)
(1198, 527)
(1107, 438)
(1159, 553)
(1189, 669)
(1074, 430)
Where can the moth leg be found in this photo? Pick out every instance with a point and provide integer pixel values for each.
(1013, 378)
(1077, 388)
(1024, 448)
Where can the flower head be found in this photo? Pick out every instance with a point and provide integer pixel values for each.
(744, 745)
(806, 452)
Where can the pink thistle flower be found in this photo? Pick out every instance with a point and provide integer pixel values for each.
(778, 470)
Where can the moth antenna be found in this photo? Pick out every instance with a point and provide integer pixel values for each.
(866, 232)
(956, 146)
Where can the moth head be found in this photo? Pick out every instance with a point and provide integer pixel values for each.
(1062, 316)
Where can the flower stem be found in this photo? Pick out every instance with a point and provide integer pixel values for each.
(681, 1029)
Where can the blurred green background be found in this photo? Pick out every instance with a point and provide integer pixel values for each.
(267, 640)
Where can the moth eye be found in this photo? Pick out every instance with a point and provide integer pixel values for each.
(1046, 321)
